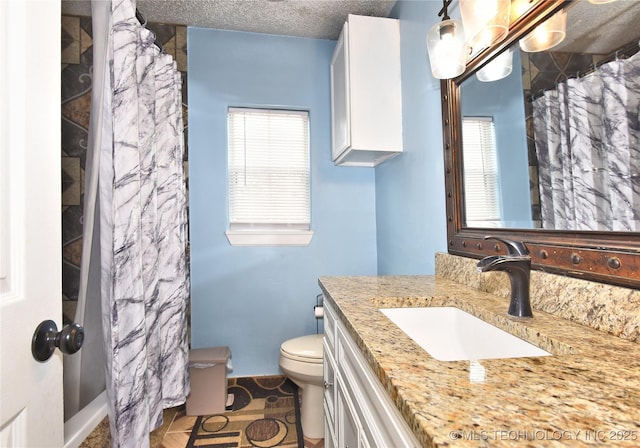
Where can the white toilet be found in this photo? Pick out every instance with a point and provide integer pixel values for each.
(301, 362)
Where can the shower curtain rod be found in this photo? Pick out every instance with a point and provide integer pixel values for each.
(627, 50)
(143, 22)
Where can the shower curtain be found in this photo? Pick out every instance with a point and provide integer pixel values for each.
(587, 135)
(136, 231)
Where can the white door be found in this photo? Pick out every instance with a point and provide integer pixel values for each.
(30, 241)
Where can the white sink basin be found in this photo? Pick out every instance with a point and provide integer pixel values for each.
(450, 334)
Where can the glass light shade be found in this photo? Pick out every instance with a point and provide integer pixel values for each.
(497, 69)
(485, 21)
(600, 2)
(546, 35)
(447, 49)
(519, 8)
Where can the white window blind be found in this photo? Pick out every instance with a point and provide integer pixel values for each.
(482, 194)
(269, 171)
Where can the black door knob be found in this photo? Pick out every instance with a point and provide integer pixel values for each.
(47, 337)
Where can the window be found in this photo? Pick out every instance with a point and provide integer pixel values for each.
(482, 195)
(269, 177)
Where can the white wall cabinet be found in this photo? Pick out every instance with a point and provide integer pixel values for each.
(358, 411)
(366, 92)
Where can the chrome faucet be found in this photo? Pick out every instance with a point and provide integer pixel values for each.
(517, 263)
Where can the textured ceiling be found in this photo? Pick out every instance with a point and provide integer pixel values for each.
(598, 29)
(320, 19)
(601, 29)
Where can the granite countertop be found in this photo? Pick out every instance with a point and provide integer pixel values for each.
(587, 393)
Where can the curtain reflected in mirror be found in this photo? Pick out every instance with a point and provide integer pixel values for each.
(587, 138)
(565, 142)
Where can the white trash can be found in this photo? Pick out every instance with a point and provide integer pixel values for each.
(208, 374)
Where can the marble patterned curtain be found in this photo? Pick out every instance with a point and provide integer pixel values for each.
(143, 229)
(587, 135)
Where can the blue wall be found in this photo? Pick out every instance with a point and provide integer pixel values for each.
(253, 298)
(387, 220)
(410, 198)
(504, 101)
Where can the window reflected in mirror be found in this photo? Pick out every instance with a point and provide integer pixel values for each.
(482, 201)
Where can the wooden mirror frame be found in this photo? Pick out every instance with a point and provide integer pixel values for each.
(607, 257)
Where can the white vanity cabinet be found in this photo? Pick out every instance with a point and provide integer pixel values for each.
(358, 411)
(366, 92)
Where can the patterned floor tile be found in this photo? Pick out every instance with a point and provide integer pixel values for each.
(182, 422)
(313, 443)
(175, 439)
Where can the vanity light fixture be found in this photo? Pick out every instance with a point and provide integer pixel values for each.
(519, 8)
(600, 2)
(485, 21)
(447, 47)
(497, 69)
(546, 35)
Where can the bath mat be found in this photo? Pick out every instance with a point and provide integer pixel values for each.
(265, 414)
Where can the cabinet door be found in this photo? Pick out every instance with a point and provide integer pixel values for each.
(329, 384)
(330, 440)
(364, 443)
(348, 427)
(340, 129)
(375, 84)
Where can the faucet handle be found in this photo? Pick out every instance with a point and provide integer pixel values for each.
(515, 248)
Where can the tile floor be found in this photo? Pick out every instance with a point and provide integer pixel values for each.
(174, 432)
(180, 426)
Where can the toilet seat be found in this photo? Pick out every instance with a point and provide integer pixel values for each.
(303, 349)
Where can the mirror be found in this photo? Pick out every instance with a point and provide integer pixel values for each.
(532, 157)
(557, 104)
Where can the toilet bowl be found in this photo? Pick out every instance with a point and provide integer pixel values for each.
(301, 362)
